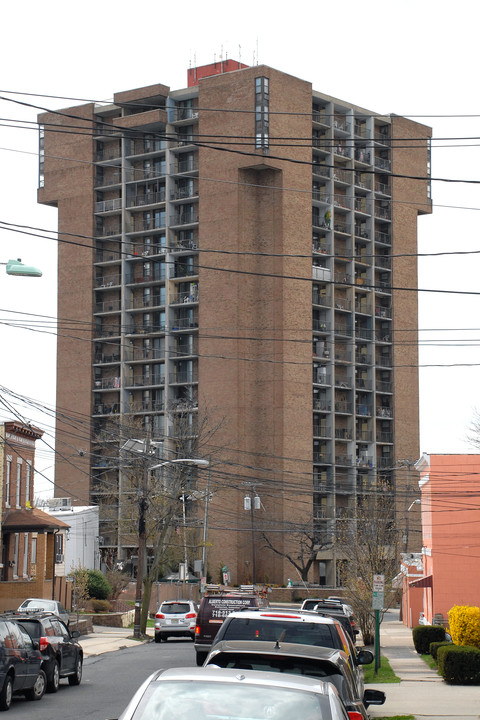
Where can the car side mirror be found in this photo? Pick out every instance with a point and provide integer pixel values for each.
(35, 645)
(373, 697)
(74, 633)
(364, 657)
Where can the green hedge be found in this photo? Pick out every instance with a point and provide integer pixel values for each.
(459, 664)
(435, 645)
(423, 635)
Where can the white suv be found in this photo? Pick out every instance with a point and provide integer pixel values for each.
(175, 618)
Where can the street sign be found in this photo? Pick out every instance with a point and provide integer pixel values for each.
(378, 592)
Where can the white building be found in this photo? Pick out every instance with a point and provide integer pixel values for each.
(82, 540)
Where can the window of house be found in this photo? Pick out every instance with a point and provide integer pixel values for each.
(19, 482)
(25, 555)
(8, 481)
(34, 550)
(27, 481)
(15, 554)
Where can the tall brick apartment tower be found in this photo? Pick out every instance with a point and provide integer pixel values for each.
(243, 255)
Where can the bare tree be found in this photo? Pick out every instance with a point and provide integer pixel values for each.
(367, 545)
(304, 544)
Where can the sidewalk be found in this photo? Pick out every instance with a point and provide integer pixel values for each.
(107, 639)
(421, 692)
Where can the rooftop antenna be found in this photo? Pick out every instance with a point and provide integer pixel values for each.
(195, 66)
(257, 50)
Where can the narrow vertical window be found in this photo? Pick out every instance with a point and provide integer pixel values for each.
(41, 157)
(19, 483)
(25, 556)
(262, 99)
(27, 483)
(8, 481)
(15, 555)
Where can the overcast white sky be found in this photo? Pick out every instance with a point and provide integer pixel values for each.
(417, 59)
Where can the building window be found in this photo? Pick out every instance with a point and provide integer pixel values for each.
(262, 99)
(25, 555)
(34, 550)
(27, 482)
(41, 157)
(19, 482)
(8, 481)
(15, 555)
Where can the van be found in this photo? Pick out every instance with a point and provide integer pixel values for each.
(213, 610)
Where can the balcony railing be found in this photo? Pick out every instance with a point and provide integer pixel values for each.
(106, 383)
(343, 434)
(383, 237)
(345, 460)
(382, 163)
(107, 306)
(101, 358)
(185, 298)
(108, 205)
(321, 378)
(146, 199)
(384, 386)
(385, 412)
(342, 406)
(188, 376)
(320, 325)
(322, 405)
(186, 218)
(362, 156)
(107, 281)
(364, 410)
(321, 273)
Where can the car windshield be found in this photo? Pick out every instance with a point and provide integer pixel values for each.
(236, 701)
(305, 633)
(174, 608)
(36, 604)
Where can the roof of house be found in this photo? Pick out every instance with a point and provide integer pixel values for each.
(22, 519)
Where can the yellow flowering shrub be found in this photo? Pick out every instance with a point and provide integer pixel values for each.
(464, 622)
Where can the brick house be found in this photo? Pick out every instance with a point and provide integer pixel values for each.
(32, 541)
(444, 575)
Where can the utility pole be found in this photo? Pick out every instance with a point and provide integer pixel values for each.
(252, 502)
(142, 534)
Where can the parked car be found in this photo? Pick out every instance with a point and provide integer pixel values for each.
(318, 662)
(212, 693)
(62, 655)
(20, 665)
(175, 618)
(280, 625)
(342, 612)
(41, 604)
(213, 609)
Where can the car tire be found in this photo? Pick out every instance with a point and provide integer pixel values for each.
(38, 690)
(157, 638)
(54, 679)
(201, 657)
(6, 693)
(163, 637)
(192, 635)
(76, 678)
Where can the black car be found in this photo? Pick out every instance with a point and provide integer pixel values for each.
(326, 664)
(62, 655)
(341, 612)
(20, 665)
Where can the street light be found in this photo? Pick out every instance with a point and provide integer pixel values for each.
(142, 507)
(16, 267)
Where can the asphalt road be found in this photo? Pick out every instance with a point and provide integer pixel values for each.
(108, 683)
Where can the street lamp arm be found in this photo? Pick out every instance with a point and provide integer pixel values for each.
(197, 462)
